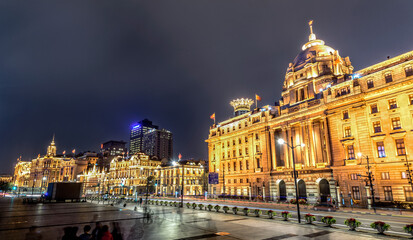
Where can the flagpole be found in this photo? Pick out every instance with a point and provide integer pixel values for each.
(256, 106)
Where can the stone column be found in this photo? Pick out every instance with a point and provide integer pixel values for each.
(340, 204)
(368, 193)
(311, 143)
(285, 148)
(327, 139)
(273, 155)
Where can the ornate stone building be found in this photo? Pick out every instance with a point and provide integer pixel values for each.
(169, 178)
(54, 168)
(21, 175)
(329, 114)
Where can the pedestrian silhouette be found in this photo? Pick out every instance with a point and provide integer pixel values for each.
(106, 235)
(86, 235)
(116, 232)
(97, 231)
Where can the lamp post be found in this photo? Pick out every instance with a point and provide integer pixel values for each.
(281, 142)
(370, 178)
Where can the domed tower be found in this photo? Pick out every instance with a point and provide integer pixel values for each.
(313, 69)
(51, 149)
(241, 105)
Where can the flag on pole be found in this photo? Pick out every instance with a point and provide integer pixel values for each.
(310, 22)
(73, 151)
(64, 152)
(257, 98)
(212, 117)
(179, 156)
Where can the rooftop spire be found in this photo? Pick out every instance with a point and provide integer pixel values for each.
(312, 36)
(53, 140)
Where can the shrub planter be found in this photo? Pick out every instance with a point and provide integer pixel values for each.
(352, 223)
(309, 218)
(201, 206)
(293, 201)
(217, 207)
(257, 212)
(328, 220)
(170, 204)
(286, 215)
(194, 205)
(270, 214)
(245, 211)
(188, 205)
(226, 209)
(157, 202)
(408, 228)
(302, 201)
(235, 210)
(209, 207)
(381, 227)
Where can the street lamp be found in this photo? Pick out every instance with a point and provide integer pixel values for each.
(369, 176)
(282, 142)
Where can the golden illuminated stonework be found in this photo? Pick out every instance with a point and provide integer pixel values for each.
(331, 114)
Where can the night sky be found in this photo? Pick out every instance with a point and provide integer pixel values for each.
(88, 70)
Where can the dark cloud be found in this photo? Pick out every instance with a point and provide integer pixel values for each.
(86, 70)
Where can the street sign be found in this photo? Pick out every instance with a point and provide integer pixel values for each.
(213, 178)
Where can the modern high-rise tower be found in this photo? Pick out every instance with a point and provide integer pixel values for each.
(158, 143)
(136, 135)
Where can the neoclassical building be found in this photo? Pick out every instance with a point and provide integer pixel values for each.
(53, 168)
(328, 113)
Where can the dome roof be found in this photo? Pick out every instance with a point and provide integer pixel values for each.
(314, 47)
(307, 55)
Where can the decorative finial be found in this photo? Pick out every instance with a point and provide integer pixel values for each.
(312, 35)
(53, 139)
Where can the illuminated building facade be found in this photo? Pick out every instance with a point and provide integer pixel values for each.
(137, 133)
(330, 114)
(21, 175)
(54, 168)
(129, 176)
(94, 181)
(169, 178)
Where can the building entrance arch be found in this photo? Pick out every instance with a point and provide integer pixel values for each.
(302, 191)
(324, 188)
(282, 191)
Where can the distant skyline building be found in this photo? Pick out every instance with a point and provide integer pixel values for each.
(112, 149)
(136, 135)
(158, 143)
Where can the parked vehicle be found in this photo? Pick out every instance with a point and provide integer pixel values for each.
(325, 207)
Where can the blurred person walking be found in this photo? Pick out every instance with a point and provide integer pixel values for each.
(106, 235)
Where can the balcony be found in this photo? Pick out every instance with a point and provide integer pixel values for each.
(321, 165)
(351, 162)
(298, 166)
(258, 169)
(280, 169)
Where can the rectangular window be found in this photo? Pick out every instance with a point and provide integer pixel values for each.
(370, 84)
(235, 166)
(411, 99)
(240, 165)
(373, 108)
(388, 194)
(247, 164)
(257, 148)
(233, 142)
(408, 193)
(347, 131)
(388, 77)
(401, 150)
(392, 104)
(241, 180)
(234, 153)
(258, 163)
(353, 176)
(246, 139)
(246, 151)
(356, 192)
(235, 180)
(377, 127)
(350, 152)
(345, 115)
(256, 136)
(240, 152)
(385, 176)
(396, 123)
(239, 141)
(405, 175)
(380, 150)
(408, 71)
(229, 167)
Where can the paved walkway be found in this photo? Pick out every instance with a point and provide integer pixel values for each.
(167, 223)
